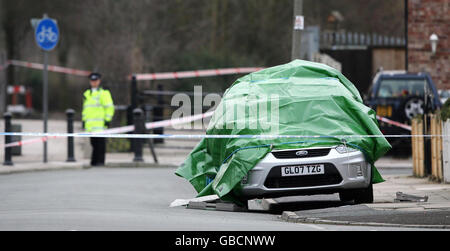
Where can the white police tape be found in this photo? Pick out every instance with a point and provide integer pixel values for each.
(196, 73)
(52, 68)
(112, 131)
(204, 136)
(139, 76)
(159, 124)
(395, 123)
(117, 133)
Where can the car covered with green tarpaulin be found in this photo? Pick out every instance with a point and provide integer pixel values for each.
(312, 101)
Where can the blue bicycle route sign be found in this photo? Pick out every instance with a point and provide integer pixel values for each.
(47, 34)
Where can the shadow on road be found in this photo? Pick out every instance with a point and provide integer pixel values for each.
(300, 203)
(305, 205)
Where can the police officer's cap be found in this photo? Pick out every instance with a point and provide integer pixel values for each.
(95, 76)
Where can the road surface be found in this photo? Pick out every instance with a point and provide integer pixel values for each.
(122, 199)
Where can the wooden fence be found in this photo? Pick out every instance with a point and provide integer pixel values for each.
(417, 148)
(446, 151)
(436, 148)
(439, 148)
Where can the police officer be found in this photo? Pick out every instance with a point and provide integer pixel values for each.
(98, 111)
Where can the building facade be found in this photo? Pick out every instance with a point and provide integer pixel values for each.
(427, 17)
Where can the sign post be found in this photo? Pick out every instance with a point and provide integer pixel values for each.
(297, 31)
(47, 36)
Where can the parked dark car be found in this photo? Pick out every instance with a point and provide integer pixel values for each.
(400, 96)
(444, 95)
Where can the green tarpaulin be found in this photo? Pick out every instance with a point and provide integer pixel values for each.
(298, 98)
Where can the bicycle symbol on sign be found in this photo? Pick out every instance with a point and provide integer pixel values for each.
(47, 34)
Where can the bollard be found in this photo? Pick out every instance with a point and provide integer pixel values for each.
(139, 128)
(158, 115)
(8, 150)
(148, 117)
(132, 106)
(70, 142)
(17, 150)
(134, 92)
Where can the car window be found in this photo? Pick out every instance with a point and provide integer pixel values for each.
(445, 94)
(392, 88)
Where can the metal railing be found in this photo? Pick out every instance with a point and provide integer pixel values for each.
(331, 39)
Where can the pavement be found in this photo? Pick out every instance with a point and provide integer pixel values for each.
(435, 213)
(171, 153)
(385, 211)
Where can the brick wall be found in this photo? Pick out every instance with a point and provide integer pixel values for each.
(426, 17)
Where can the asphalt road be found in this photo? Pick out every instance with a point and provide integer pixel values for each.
(127, 199)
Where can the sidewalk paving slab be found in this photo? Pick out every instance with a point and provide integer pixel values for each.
(33, 167)
(384, 212)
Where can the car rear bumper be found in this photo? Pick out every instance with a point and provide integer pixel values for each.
(342, 171)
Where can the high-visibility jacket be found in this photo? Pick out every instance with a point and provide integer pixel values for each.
(98, 108)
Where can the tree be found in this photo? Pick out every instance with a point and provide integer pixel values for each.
(120, 37)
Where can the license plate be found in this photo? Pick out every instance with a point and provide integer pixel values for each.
(302, 170)
(384, 110)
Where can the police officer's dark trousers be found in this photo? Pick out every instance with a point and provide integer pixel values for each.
(98, 151)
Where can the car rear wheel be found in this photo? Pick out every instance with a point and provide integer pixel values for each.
(413, 107)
